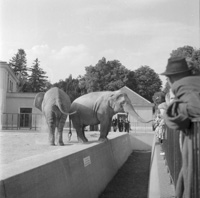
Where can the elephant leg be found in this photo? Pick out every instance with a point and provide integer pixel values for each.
(79, 130)
(51, 122)
(60, 127)
(83, 132)
(80, 134)
(105, 126)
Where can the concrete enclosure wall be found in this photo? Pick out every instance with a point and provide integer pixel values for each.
(81, 173)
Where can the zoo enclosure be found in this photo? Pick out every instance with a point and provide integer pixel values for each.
(173, 155)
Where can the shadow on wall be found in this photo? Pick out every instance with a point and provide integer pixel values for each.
(141, 141)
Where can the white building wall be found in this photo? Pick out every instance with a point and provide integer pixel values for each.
(8, 83)
(3, 89)
(14, 102)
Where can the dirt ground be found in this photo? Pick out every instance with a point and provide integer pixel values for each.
(132, 179)
(15, 145)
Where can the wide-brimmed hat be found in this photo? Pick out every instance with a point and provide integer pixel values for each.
(176, 65)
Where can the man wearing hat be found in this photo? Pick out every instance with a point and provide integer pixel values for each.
(176, 69)
(179, 116)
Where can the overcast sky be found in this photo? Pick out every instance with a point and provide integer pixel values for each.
(67, 35)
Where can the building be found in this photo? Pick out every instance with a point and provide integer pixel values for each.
(143, 107)
(16, 109)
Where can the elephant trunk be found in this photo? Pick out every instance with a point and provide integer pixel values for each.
(129, 108)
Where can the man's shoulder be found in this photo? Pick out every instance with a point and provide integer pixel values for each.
(188, 80)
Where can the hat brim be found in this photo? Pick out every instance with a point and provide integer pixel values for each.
(174, 73)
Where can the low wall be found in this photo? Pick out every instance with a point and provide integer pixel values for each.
(141, 140)
(81, 171)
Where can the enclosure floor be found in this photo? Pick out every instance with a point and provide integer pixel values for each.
(131, 181)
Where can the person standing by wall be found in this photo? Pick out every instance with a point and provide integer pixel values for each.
(126, 125)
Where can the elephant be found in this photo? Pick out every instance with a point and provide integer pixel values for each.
(55, 105)
(98, 108)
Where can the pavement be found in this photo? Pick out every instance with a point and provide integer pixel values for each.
(160, 184)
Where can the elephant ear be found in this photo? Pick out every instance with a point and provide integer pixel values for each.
(38, 100)
(114, 97)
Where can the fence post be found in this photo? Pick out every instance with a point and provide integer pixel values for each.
(196, 158)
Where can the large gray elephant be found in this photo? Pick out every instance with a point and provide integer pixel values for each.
(99, 108)
(55, 105)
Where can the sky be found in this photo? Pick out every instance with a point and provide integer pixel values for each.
(68, 35)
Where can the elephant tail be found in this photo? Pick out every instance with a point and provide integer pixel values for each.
(148, 121)
(62, 111)
(72, 113)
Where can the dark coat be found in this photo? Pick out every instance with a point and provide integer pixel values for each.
(179, 115)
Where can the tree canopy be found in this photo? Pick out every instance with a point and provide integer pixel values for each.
(19, 63)
(107, 76)
(37, 79)
(148, 82)
(70, 86)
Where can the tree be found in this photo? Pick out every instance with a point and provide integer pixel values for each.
(106, 76)
(37, 79)
(70, 86)
(148, 82)
(18, 64)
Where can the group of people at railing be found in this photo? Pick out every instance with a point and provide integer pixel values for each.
(178, 113)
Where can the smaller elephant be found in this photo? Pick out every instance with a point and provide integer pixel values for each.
(99, 108)
(55, 105)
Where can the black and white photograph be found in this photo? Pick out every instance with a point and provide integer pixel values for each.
(99, 98)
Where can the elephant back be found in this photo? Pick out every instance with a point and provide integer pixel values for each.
(57, 97)
(63, 101)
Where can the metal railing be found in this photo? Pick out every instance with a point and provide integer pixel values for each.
(196, 158)
(172, 152)
(140, 127)
(171, 147)
(16, 121)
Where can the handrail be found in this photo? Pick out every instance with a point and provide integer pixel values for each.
(173, 157)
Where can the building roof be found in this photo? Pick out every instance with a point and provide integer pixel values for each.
(135, 98)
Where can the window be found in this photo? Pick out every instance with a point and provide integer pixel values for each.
(11, 86)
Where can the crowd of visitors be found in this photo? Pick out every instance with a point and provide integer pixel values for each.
(123, 125)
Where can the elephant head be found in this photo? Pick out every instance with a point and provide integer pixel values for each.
(38, 100)
(120, 102)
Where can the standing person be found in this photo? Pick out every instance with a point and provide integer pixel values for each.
(120, 125)
(161, 126)
(127, 125)
(114, 123)
(184, 108)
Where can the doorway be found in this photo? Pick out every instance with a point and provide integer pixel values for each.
(25, 118)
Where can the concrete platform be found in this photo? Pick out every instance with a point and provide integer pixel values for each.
(74, 170)
(31, 168)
